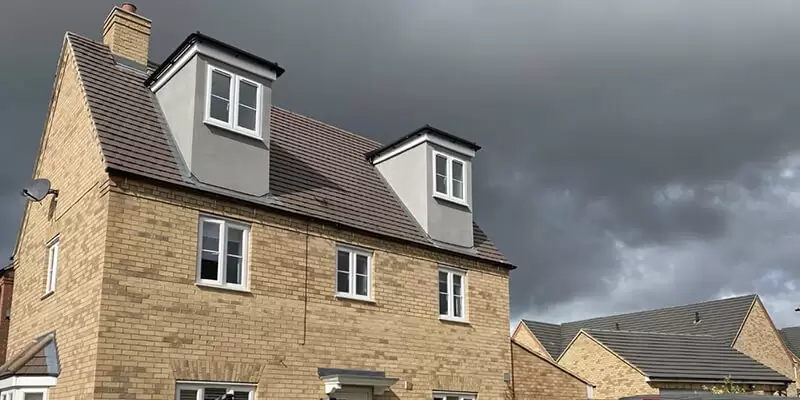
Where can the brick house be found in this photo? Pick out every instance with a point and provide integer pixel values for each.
(791, 338)
(674, 349)
(204, 242)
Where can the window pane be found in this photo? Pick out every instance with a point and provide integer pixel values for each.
(441, 174)
(234, 270)
(247, 118)
(443, 303)
(213, 393)
(361, 264)
(361, 285)
(458, 189)
(210, 236)
(219, 109)
(343, 261)
(220, 85)
(443, 282)
(235, 241)
(247, 94)
(457, 285)
(458, 306)
(187, 394)
(241, 395)
(209, 265)
(33, 396)
(342, 282)
(458, 171)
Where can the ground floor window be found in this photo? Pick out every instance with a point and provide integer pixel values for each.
(213, 391)
(24, 394)
(453, 396)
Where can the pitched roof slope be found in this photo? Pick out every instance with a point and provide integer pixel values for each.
(719, 318)
(791, 336)
(549, 335)
(39, 358)
(663, 356)
(316, 170)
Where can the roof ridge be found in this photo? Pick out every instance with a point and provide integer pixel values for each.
(650, 333)
(661, 308)
(307, 118)
(540, 322)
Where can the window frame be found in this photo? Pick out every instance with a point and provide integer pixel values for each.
(222, 256)
(52, 265)
(351, 293)
(200, 387)
(450, 271)
(19, 393)
(233, 103)
(460, 395)
(449, 160)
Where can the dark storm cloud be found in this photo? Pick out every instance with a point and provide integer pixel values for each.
(625, 142)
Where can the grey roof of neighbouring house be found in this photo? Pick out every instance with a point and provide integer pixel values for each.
(39, 358)
(663, 356)
(316, 170)
(719, 318)
(791, 336)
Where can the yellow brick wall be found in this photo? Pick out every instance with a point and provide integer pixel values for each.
(535, 378)
(525, 337)
(70, 157)
(759, 340)
(613, 377)
(128, 35)
(158, 326)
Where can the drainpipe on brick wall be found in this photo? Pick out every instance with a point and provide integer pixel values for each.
(6, 295)
(305, 294)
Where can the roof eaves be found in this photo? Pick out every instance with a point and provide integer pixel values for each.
(420, 131)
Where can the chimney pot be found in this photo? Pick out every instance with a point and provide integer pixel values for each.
(129, 7)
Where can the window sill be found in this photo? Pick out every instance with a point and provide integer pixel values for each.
(342, 296)
(221, 287)
(230, 128)
(454, 320)
(48, 294)
(449, 199)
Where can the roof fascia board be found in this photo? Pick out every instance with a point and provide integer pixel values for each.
(217, 54)
(425, 138)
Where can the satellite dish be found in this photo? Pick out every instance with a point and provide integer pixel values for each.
(38, 190)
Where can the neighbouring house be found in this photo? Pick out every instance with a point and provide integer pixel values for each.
(205, 242)
(538, 377)
(791, 337)
(675, 349)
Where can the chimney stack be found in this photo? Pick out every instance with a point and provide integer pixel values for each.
(127, 34)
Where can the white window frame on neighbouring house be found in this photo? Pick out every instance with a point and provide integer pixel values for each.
(224, 225)
(16, 387)
(450, 178)
(52, 265)
(454, 396)
(451, 295)
(200, 387)
(352, 273)
(233, 103)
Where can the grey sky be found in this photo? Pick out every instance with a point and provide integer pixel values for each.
(637, 153)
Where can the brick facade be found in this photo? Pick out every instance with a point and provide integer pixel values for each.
(128, 35)
(760, 340)
(535, 377)
(70, 158)
(613, 377)
(525, 337)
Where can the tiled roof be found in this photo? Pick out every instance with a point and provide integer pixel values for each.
(663, 356)
(719, 318)
(316, 170)
(791, 336)
(39, 358)
(549, 335)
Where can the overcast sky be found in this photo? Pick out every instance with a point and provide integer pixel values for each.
(636, 154)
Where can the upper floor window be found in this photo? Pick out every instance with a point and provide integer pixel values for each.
(353, 275)
(209, 391)
(233, 102)
(223, 253)
(52, 266)
(453, 396)
(449, 181)
(451, 294)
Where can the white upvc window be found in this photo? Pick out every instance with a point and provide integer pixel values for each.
(233, 102)
(452, 294)
(222, 253)
(24, 394)
(453, 396)
(189, 390)
(353, 273)
(52, 266)
(449, 177)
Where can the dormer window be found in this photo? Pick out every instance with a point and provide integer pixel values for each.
(233, 102)
(449, 182)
